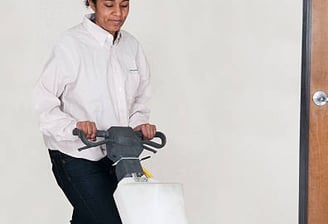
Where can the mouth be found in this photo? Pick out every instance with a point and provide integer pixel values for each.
(116, 22)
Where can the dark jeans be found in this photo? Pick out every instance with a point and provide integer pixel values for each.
(89, 186)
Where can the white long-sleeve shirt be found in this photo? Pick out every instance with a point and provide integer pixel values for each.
(91, 77)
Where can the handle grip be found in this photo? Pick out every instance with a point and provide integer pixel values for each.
(90, 144)
(147, 143)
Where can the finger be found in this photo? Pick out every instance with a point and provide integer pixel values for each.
(79, 125)
(94, 130)
(84, 128)
(150, 130)
(138, 128)
(145, 131)
(153, 131)
(90, 130)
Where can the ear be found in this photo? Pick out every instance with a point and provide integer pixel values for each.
(92, 5)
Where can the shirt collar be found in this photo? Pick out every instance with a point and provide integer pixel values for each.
(101, 35)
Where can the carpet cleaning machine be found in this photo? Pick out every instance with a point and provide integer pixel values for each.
(139, 199)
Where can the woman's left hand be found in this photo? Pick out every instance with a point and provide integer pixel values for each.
(148, 130)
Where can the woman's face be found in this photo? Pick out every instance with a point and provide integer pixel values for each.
(110, 14)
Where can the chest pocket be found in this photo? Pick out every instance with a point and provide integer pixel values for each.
(132, 82)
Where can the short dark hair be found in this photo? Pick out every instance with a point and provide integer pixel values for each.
(87, 3)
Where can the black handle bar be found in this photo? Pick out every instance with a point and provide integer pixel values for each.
(147, 144)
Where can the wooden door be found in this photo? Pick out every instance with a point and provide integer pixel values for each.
(314, 118)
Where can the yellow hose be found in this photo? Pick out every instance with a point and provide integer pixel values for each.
(147, 173)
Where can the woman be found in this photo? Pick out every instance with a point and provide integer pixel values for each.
(97, 77)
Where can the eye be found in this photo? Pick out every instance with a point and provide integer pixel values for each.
(125, 5)
(108, 6)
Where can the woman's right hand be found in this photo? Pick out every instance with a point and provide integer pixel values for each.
(89, 128)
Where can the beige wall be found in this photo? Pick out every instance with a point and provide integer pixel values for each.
(226, 77)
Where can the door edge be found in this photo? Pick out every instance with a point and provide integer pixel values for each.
(304, 110)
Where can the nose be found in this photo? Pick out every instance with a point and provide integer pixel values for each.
(117, 10)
